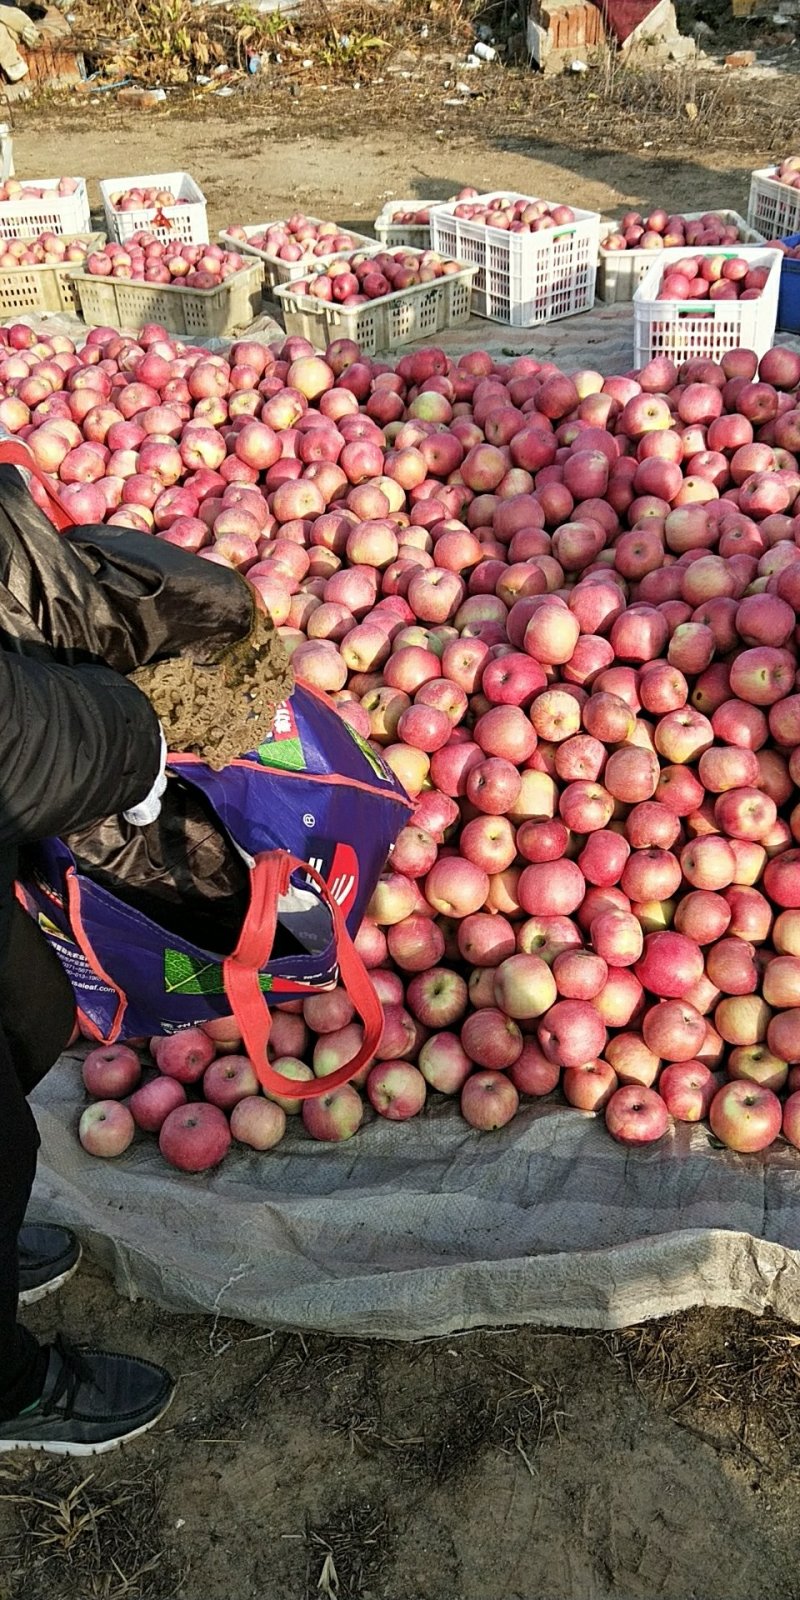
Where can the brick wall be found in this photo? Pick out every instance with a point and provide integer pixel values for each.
(53, 65)
(570, 27)
(558, 27)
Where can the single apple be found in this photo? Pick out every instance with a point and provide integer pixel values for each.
(636, 1116)
(258, 1122)
(745, 1117)
(106, 1128)
(152, 1103)
(195, 1138)
(488, 1101)
(111, 1072)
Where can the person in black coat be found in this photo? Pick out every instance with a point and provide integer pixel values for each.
(78, 743)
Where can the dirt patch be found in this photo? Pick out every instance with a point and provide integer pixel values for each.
(489, 1467)
(736, 1385)
(605, 141)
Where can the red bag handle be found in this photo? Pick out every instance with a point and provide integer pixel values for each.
(270, 878)
(15, 453)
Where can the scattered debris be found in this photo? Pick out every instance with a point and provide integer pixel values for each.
(141, 99)
(741, 58)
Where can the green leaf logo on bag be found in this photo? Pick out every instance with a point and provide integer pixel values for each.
(283, 748)
(185, 974)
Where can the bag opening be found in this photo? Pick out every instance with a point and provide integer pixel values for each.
(186, 875)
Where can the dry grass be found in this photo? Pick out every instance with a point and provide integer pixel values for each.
(174, 41)
(79, 1536)
(346, 1553)
(734, 1391)
(646, 93)
(492, 1407)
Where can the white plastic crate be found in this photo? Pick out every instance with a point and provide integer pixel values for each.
(773, 208)
(44, 288)
(277, 271)
(184, 224)
(620, 272)
(25, 219)
(393, 235)
(385, 324)
(523, 279)
(683, 329)
(204, 313)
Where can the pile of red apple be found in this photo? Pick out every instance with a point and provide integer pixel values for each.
(712, 278)
(515, 216)
(204, 1094)
(47, 250)
(788, 172)
(565, 610)
(145, 199)
(297, 239)
(411, 219)
(421, 216)
(791, 251)
(663, 230)
(146, 259)
(357, 279)
(12, 189)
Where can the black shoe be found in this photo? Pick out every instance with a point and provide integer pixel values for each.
(48, 1256)
(92, 1402)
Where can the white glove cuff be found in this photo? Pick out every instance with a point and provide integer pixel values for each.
(149, 809)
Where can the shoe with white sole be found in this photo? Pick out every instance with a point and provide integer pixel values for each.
(93, 1401)
(48, 1256)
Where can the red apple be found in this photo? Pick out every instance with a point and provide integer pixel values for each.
(488, 1101)
(194, 1138)
(745, 1117)
(636, 1116)
(111, 1072)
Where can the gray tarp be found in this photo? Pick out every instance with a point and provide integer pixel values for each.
(412, 1230)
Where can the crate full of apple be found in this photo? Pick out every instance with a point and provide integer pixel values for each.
(626, 247)
(54, 205)
(379, 299)
(288, 248)
(145, 258)
(774, 203)
(706, 303)
(169, 203)
(536, 259)
(37, 274)
(361, 277)
(721, 277)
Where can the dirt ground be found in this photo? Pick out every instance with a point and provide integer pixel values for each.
(660, 1462)
(348, 152)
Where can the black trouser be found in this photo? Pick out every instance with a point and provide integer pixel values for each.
(37, 1010)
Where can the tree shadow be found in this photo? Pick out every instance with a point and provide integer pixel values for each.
(632, 180)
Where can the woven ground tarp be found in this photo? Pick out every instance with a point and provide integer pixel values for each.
(413, 1230)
